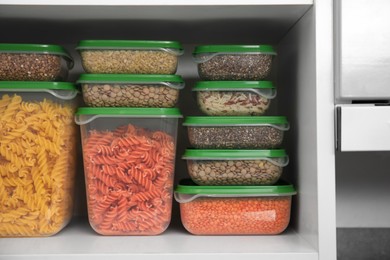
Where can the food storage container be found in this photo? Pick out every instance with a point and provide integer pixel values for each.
(234, 62)
(38, 157)
(236, 132)
(34, 62)
(234, 210)
(234, 98)
(129, 161)
(235, 167)
(129, 90)
(129, 57)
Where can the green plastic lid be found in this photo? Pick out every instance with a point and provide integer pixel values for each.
(62, 90)
(174, 81)
(222, 85)
(188, 187)
(197, 121)
(85, 115)
(37, 48)
(265, 49)
(200, 154)
(130, 44)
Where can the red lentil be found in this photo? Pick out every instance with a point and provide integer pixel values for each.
(236, 216)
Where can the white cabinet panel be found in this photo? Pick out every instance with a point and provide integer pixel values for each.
(363, 128)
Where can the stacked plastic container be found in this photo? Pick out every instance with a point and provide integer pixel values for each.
(129, 133)
(237, 161)
(38, 140)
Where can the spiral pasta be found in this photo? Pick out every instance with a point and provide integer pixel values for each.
(37, 166)
(129, 179)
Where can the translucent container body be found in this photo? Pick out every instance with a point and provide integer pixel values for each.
(236, 132)
(235, 167)
(234, 62)
(129, 159)
(38, 157)
(130, 57)
(239, 210)
(115, 90)
(234, 98)
(33, 62)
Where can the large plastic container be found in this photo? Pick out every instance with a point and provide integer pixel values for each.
(129, 162)
(236, 132)
(234, 62)
(235, 167)
(125, 90)
(34, 62)
(38, 157)
(129, 57)
(234, 210)
(234, 98)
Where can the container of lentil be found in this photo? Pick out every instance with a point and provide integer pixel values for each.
(129, 57)
(34, 62)
(234, 210)
(129, 161)
(235, 167)
(38, 157)
(234, 98)
(129, 90)
(234, 62)
(236, 132)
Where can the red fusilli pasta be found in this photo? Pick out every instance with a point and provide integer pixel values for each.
(129, 180)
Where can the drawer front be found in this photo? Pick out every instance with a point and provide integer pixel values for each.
(364, 54)
(363, 128)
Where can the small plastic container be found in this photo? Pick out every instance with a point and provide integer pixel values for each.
(129, 162)
(34, 62)
(129, 57)
(235, 167)
(234, 98)
(125, 90)
(234, 62)
(234, 210)
(236, 132)
(38, 157)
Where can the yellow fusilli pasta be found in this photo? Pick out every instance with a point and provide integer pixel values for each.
(37, 166)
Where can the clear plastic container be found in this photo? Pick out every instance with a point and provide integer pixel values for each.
(129, 162)
(129, 57)
(234, 62)
(234, 210)
(236, 132)
(38, 157)
(235, 167)
(234, 98)
(125, 90)
(34, 62)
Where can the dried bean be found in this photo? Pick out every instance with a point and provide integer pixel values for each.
(236, 216)
(235, 137)
(242, 172)
(129, 62)
(232, 103)
(236, 67)
(30, 67)
(129, 95)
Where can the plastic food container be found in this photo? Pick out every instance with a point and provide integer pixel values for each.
(235, 167)
(129, 57)
(234, 98)
(125, 90)
(240, 132)
(34, 62)
(38, 157)
(234, 210)
(129, 161)
(234, 62)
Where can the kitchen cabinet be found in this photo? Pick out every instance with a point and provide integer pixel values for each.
(301, 31)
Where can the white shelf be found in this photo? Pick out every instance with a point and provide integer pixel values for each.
(79, 241)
